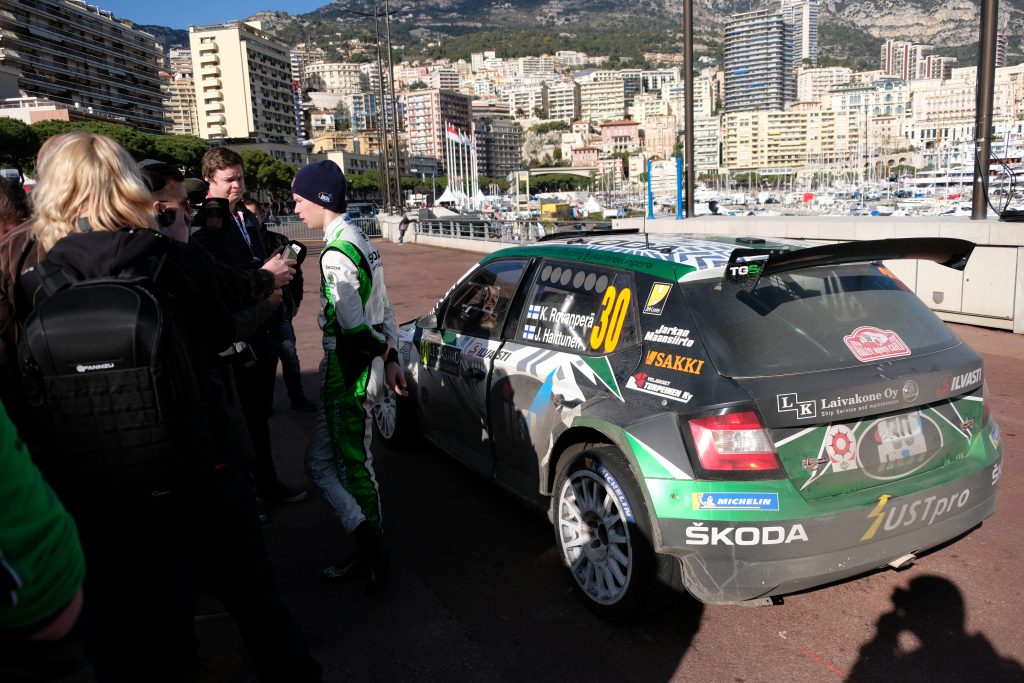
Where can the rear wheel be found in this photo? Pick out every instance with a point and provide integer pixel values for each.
(603, 531)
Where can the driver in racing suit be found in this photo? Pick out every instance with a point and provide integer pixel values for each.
(359, 339)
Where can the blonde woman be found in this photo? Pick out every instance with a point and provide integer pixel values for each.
(95, 219)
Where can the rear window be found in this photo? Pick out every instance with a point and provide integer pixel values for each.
(812, 320)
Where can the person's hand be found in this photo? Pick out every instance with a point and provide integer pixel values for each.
(394, 375)
(282, 269)
(275, 298)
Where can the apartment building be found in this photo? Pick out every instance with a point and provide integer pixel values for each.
(660, 135)
(529, 67)
(707, 144)
(785, 141)
(499, 146)
(561, 101)
(426, 114)
(943, 112)
(802, 15)
(814, 84)
(603, 99)
(758, 62)
(335, 77)
(525, 101)
(653, 80)
(243, 83)
(80, 55)
(620, 136)
(179, 60)
(703, 99)
(444, 78)
(649, 104)
(180, 103)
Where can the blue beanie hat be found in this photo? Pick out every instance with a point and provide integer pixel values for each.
(322, 183)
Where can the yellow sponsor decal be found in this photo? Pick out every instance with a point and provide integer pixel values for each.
(656, 299)
(670, 361)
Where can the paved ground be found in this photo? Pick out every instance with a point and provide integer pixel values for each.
(479, 594)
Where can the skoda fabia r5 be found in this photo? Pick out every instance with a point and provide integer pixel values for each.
(738, 418)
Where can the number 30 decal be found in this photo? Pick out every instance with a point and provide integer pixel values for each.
(614, 308)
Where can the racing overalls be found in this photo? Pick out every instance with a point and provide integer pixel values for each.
(358, 328)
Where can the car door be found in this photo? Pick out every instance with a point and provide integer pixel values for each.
(575, 332)
(456, 360)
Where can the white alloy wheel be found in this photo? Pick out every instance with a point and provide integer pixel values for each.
(594, 537)
(385, 414)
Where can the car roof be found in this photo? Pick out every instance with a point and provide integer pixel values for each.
(697, 254)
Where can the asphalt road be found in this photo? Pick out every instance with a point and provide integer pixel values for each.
(478, 592)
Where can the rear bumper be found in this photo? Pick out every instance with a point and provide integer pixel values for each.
(724, 562)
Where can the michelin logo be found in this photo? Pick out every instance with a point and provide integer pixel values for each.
(736, 501)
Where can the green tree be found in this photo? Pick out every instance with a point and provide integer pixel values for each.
(18, 144)
(139, 145)
(265, 174)
(184, 151)
(362, 185)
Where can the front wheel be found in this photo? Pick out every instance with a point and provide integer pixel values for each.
(393, 417)
(603, 531)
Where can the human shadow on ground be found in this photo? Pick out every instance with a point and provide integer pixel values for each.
(923, 638)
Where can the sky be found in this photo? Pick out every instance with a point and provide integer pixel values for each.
(181, 13)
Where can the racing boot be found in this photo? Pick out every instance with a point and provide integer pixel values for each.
(370, 542)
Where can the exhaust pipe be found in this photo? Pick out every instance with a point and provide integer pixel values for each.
(903, 561)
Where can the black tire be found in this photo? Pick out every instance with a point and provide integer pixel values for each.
(602, 530)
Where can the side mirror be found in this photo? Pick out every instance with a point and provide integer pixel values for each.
(427, 322)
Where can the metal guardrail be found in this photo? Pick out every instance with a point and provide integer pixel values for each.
(293, 228)
(514, 232)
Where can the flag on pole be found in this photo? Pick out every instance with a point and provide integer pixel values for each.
(452, 134)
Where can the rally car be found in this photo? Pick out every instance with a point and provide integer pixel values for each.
(739, 418)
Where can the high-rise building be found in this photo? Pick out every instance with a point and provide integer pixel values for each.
(180, 103)
(1001, 43)
(427, 112)
(243, 83)
(758, 62)
(82, 56)
(499, 146)
(802, 15)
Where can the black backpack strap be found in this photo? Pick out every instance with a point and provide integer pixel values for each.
(35, 284)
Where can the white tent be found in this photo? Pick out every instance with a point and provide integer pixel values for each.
(591, 206)
(447, 196)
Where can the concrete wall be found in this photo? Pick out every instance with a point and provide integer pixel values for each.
(989, 293)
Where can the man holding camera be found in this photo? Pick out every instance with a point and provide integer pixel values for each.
(230, 233)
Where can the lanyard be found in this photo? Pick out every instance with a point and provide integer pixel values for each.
(240, 222)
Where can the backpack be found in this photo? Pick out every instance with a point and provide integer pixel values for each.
(109, 381)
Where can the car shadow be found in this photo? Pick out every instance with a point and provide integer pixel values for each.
(923, 638)
(492, 562)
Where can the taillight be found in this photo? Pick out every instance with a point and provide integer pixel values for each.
(733, 442)
(986, 411)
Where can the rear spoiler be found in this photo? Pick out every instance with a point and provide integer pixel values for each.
(574, 235)
(747, 266)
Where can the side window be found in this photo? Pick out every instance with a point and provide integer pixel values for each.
(581, 308)
(479, 304)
